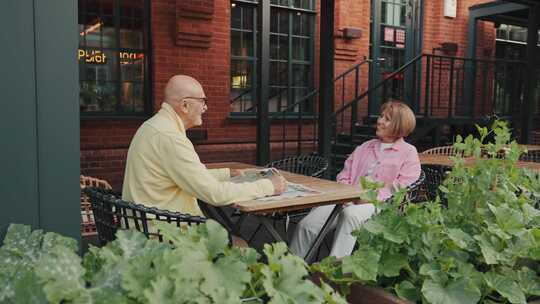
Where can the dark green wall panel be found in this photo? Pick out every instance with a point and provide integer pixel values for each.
(39, 116)
(57, 94)
(18, 126)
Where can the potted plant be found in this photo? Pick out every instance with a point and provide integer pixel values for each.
(484, 247)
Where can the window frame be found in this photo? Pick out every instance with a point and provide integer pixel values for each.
(148, 64)
(290, 61)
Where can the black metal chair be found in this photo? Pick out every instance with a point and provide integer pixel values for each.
(435, 175)
(310, 165)
(112, 214)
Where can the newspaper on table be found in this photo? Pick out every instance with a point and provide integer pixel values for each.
(293, 189)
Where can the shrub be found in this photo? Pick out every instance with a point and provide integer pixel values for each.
(483, 247)
(196, 266)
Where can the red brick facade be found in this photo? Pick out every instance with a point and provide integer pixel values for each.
(192, 37)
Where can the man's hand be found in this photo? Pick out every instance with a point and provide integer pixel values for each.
(279, 182)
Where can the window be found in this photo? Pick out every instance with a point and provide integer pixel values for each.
(113, 57)
(292, 24)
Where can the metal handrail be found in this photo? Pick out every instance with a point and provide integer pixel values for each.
(314, 92)
(373, 88)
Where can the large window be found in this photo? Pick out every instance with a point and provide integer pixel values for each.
(113, 57)
(292, 24)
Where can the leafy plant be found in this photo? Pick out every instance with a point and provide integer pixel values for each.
(195, 266)
(483, 247)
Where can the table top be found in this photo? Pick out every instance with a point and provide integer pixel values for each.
(331, 192)
(443, 160)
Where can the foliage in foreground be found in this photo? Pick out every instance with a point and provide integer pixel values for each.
(197, 267)
(483, 247)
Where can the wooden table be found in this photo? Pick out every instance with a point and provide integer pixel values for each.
(443, 160)
(331, 192)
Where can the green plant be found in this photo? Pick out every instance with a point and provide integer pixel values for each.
(483, 247)
(196, 266)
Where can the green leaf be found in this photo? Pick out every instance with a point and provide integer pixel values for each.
(160, 292)
(529, 281)
(460, 291)
(407, 291)
(363, 263)
(62, 273)
(283, 278)
(392, 263)
(506, 287)
(460, 238)
(508, 219)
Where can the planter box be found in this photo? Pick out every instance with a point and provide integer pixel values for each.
(362, 294)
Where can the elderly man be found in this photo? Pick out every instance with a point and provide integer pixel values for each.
(164, 171)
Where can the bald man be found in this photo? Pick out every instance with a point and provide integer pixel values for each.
(164, 171)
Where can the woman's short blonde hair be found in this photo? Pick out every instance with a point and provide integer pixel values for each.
(401, 116)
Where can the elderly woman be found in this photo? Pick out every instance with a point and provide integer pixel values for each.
(388, 159)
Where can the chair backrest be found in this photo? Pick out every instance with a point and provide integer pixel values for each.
(414, 193)
(310, 165)
(444, 150)
(435, 175)
(112, 213)
(88, 225)
(414, 190)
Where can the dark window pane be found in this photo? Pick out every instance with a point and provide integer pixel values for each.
(131, 97)
(301, 49)
(236, 43)
(97, 96)
(305, 4)
(131, 8)
(92, 7)
(236, 16)
(109, 33)
(247, 44)
(278, 99)
(284, 22)
(274, 46)
(301, 24)
(132, 66)
(274, 21)
(278, 73)
(301, 75)
(131, 39)
(283, 47)
(247, 18)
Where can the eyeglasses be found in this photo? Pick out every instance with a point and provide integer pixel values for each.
(201, 99)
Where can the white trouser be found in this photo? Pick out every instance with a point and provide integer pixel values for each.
(348, 220)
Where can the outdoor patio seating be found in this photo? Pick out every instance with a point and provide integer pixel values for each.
(88, 225)
(112, 214)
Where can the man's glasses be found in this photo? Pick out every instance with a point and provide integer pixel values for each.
(201, 99)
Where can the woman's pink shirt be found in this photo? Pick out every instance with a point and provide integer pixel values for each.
(397, 166)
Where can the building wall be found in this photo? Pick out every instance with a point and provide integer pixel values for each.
(192, 37)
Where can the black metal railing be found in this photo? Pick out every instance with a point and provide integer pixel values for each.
(440, 87)
(301, 116)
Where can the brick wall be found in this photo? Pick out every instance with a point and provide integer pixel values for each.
(192, 37)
